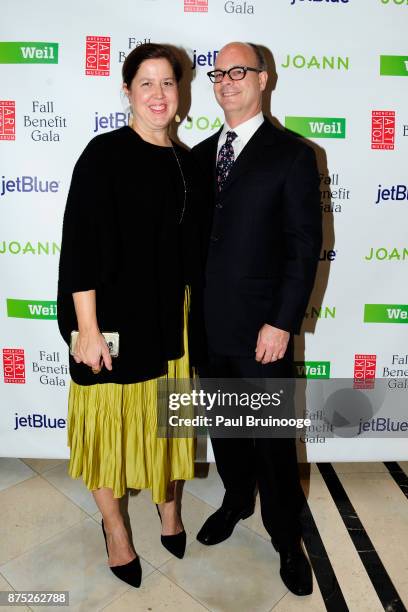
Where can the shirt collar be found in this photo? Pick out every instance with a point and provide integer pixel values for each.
(244, 130)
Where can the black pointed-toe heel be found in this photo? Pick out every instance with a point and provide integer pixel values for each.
(175, 544)
(131, 572)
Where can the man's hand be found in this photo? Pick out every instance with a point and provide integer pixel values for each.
(271, 344)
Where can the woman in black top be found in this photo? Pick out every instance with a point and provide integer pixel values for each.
(130, 264)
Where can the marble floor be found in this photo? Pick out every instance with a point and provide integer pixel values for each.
(356, 536)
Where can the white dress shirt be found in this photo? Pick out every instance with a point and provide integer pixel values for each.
(244, 132)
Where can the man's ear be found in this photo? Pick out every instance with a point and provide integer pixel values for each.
(263, 79)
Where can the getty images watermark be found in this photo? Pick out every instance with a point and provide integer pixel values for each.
(276, 408)
(227, 400)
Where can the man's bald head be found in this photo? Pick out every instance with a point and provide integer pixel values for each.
(240, 99)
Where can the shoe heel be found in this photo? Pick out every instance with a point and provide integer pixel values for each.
(131, 572)
(175, 544)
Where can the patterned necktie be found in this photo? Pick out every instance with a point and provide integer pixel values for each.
(225, 160)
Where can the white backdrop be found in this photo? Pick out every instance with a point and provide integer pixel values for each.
(327, 57)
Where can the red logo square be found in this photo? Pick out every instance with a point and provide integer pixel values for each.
(14, 366)
(7, 120)
(383, 130)
(364, 371)
(195, 6)
(97, 55)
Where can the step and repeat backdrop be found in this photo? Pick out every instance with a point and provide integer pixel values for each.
(337, 75)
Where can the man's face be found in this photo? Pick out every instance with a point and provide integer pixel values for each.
(242, 99)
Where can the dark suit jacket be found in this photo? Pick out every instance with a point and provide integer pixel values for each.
(264, 239)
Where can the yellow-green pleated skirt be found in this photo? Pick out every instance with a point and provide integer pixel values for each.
(112, 435)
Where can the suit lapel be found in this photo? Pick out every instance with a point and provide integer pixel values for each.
(248, 157)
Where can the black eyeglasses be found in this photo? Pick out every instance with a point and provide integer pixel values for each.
(236, 73)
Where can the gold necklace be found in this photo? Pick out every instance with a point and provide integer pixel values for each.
(184, 184)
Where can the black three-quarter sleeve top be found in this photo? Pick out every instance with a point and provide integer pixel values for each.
(129, 234)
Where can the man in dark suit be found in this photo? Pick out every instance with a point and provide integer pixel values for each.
(263, 250)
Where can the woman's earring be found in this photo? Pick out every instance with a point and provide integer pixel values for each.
(177, 118)
(130, 121)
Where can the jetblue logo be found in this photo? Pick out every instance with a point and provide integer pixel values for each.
(292, 2)
(27, 184)
(328, 255)
(204, 59)
(397, 193)
(38, 421)
(113, 121)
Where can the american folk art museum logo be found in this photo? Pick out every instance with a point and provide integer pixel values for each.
(364, 371)
(195, 6)
(97, 58)
(383, 130)
(14, 366)
(7, 120)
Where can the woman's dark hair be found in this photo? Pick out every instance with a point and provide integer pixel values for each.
(149, 51)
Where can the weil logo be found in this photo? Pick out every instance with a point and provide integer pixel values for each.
(31, 309)
(7, 120)
(394, 65)
(383, 130)
(317, 127)
(195, 6)
(386, 313)
(14, 366)
(28, 53)
(97, 60)
(312, 369)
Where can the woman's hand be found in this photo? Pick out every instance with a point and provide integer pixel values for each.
(92, 350)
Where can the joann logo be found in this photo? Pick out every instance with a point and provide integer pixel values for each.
(383, 130)
(202, 123)
(364, 371)
(7, 120)
(14, 366)
(15, 247)
(384, 254)
(386, 313)
(195, 6)
(395, 193)
(28, 53)
(97, 61)
(394, 65)
(27, 184)
(317, 127)
(321, 312)
(315, 62)
(312, 369)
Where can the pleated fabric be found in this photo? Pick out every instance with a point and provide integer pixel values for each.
(112, 435)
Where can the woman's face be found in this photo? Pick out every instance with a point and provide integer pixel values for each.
(153, 94)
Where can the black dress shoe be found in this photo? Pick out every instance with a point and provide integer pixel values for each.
(220, 525)
(176, 544)
(131, 572)
(295, 570)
